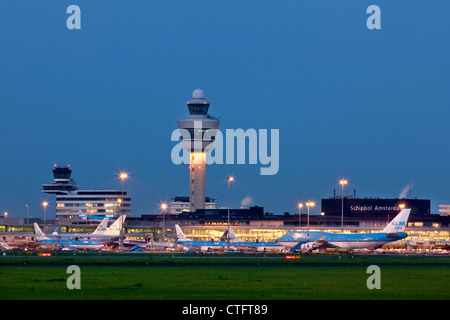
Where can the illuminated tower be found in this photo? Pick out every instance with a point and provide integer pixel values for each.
(63, 183)
(198, 132)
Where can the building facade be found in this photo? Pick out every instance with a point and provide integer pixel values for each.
(444, 209)
(179, 205)
(107, 203)
(373, 207)
(71, 202)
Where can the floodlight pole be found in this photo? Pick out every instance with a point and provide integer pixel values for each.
(228, 221)
(229, 179)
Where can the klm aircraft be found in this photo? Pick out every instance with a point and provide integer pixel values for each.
(101, 228)
(203, 246)
(113, 230)
(101, 232)
(252, 246)
(76, 244)
(83, 216)
(316, 240)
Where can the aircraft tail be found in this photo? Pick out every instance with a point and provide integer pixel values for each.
(40, 235)
(180, 234)
(81, 215)
(57, 231)
(399, 222)
(233, 237)
(114, 229)
(101, 228)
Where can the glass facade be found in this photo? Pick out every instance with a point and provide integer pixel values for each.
(105, 203)
(199, 134)
(198, 108)
(246, 233)
(444, 210)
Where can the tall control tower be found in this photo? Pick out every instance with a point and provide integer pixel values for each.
(198, 133)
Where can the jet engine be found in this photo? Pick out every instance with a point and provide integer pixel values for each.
(309, 246)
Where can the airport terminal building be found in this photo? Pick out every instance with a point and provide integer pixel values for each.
(372, 212)
(254, 224)
(364, 215)
(70, 201)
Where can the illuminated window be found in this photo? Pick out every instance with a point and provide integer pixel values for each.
(436, 225)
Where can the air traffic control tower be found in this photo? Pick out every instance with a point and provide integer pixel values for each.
(198, 133)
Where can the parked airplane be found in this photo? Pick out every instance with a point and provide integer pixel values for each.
(270, 246)
(101, 233)
(317, 240)
(114, 229)
(203, 246)
(82, 244)
(101, 228)
(17, 241)
(83, 216)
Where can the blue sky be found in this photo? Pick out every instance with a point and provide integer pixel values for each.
(368, 105)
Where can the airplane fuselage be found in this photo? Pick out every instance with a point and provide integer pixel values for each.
(204, 245)
(76, 244)
(341, 240)
(259, 246)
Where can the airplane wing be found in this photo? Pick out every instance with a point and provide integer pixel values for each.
(322, 243)
(317, 244)
(393, 236)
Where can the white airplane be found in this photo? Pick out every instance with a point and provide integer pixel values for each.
(101, 228)
(101, 233)
(317, 240)
(253, 246)
(202, 246)
(65, 243)
(114, 229)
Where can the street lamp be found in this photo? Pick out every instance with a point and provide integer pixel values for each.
(229, 179)
(122, 176)
(343, 183)
(401, 206)
(309, 204)
(44, 204)
(163, 207)
(28, 208)
(300, 206)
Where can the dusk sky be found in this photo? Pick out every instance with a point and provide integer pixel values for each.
(372, 106)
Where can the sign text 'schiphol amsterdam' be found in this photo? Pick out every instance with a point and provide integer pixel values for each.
(374, 208)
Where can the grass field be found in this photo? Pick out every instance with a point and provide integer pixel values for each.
(213, 277)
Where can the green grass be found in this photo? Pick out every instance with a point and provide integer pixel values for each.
(213, 277)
